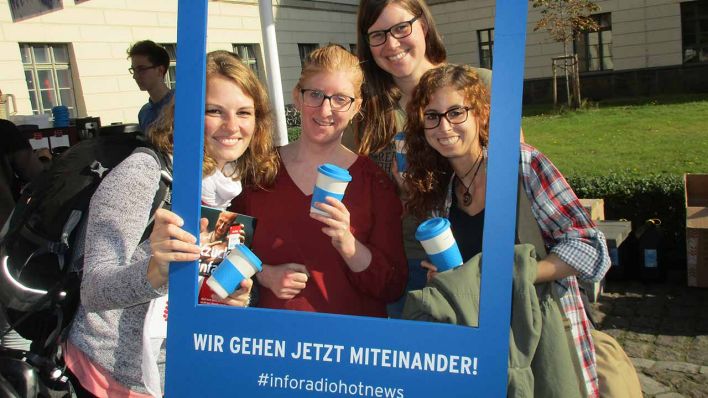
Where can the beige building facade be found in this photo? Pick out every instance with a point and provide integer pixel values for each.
(644, 46)
(76, 55)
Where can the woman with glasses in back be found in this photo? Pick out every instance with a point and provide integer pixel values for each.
(397, 41)
(350, 261)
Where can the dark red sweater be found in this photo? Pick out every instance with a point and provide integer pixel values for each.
(285, 233)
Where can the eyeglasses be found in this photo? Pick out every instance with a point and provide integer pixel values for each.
(140, 69)
(398, 31)
(457, 115)
(315, 98)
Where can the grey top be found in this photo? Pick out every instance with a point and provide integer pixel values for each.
(115, 292)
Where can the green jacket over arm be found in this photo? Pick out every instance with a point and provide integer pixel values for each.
(540, 360)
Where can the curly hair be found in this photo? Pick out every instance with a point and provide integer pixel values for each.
(428, 172)
(258, 166)
(381, 94)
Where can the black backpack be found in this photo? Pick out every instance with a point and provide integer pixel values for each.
(40, 274)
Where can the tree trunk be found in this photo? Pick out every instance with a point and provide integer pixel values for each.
(567, 80)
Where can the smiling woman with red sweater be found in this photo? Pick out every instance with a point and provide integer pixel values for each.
(351, 261)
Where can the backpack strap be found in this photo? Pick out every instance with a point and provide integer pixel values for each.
(163, 197)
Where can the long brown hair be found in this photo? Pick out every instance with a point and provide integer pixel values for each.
(258, 165)
(428, 172)
(381, 95)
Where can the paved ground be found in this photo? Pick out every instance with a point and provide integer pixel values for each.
(664, 330)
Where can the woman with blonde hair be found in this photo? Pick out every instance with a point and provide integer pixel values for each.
(350, 261)
(123, 276)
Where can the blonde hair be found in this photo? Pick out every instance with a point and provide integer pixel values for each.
(330, 58)
(258, 166)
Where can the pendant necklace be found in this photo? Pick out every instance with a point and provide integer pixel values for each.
(467, 196)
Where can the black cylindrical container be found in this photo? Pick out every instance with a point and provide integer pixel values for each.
(649, 236)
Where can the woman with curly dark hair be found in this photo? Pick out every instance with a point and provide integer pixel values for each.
(446, 144)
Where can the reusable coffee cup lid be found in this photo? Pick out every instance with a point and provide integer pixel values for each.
(431, 228)
(335, 172)
(251, 257)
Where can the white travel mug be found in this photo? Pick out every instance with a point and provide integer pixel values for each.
(240, 264)
(439, 243)
(331, 181)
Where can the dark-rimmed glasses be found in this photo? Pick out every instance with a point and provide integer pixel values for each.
(140, 69)
(457, 115)
(315, 99)
(398, 31)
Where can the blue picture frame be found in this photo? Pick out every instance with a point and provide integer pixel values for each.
(215, 351)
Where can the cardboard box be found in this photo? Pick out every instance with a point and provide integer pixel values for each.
(615, 233)
(594, 207)
(696, 187)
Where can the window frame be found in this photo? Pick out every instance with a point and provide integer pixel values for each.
(486, 62)
(691, 19)
(33, 67)
(171, 74)
(304, 49)
(252, 59)
(582, 46)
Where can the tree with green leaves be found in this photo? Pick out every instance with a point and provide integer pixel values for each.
(566, 20)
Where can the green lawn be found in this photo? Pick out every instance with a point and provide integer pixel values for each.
(651, 137)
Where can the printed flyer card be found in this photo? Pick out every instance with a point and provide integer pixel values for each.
(225, 230)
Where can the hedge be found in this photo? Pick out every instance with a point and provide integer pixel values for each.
(639, 198)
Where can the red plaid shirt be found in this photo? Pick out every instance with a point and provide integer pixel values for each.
(569, 233)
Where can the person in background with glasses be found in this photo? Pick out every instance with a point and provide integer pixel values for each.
(352, 261)
(397, 41)
(446, 140)
(148, 65)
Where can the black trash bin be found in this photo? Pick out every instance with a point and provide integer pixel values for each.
(649, 256)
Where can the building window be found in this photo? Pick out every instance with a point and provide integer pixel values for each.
(48, 74)
(171, 75)
(694, 31)
(594, 49)
(305, 49)
(485, 38)
(249, 56)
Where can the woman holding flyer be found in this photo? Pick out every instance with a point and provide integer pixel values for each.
(122, 276)
(348, 260)
(446, 140)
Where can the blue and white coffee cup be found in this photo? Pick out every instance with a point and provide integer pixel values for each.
(400, 142)
(439, 243)
(331, 181)
(240, 264)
